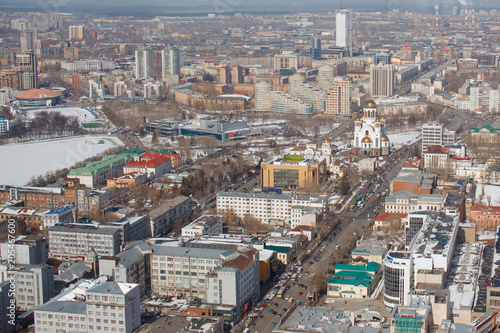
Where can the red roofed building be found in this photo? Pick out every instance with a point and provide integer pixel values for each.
(485, 217)
(389, 220)
(152, 164)
(303, 230)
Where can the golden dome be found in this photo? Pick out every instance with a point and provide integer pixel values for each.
(384, 138)
(370, 104)
(382, 117)
(327, 140)
(367, 139)
(358, 119)
(377, 120)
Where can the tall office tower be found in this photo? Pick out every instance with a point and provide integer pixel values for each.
(28, 38)
(263, 96)
(144, 65)
(75, 32)
(171, 61)
(383, 58)
(316, 48)
(326, 74)
(381, 80)
(29, 72)
(338, 98)
(343, 24)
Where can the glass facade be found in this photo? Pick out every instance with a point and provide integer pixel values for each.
(286, 178)
(412, 228)
(394, 285)
(407, 325)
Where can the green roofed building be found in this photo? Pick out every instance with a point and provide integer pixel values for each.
(485, 134)
(97, 172)
(283, 253)
(354, 280)
(133, 152)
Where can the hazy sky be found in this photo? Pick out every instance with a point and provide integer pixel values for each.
(162, 7)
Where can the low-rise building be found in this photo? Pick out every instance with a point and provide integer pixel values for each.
(406, 202)
(64, 214)
(131, 228)
(485, 217)
(28, 249)
(414, 181)
(354, 280)
(204, 225)
(98, 172)
(163, 218)
(128, 180)
(416, 317)
(283, 253)
(153, 165)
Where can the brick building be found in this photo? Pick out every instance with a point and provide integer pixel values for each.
(485, 217)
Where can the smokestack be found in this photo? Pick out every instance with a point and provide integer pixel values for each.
(465, 14)
(472, 13)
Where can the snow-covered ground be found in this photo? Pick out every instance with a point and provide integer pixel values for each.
(491, 193)
(22, 161)
(82, 114)
(399, 139)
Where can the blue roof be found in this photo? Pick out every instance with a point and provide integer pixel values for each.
(61, 209)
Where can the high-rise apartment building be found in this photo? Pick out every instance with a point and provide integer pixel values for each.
(382, 80)
(338, 98)
(171, 61)
(343, 24)
(326, 73)
(27, 64)
(263, 96)
(75, 32)
(398, 271)
(28, 39)
(144, 64)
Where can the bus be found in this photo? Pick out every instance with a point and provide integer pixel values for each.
(281, 292)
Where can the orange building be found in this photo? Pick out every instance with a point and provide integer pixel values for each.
(40, 197)
(414, 181)
(128, 180)
(485, 217)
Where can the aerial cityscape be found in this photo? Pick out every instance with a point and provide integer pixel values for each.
(264, 167)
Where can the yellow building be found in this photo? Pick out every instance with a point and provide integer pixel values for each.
(265, 259)
(292, 172)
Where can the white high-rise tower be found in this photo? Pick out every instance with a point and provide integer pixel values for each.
(343, 24)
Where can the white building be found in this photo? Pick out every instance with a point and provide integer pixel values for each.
(96, 89)
(403, 202)
(5, 309)
(306, 92)
(34, 284)
(263, 96)
(90, 65)
(70, 241)
(144, 64)
(92, 306)
(268, 208)
(170, 61)
(28, 250)
(310, 150)
(64, 214)
(338, 98)
(285, 61)
(284, 103)
(204, 225)
(343, 31)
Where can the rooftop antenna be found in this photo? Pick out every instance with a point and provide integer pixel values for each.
(340, 4)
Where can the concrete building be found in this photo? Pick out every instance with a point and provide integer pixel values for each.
(263, 96)
(98, 172)
(63, 214)
(34, 284)
(370, 250)
(6, 323)
(154, 165)
(343, 29)
(338, 98)
(28, 38)
(416, 317)
(28, 250)
(170, 61)
(88, 65)
(284, 103)
(144, 66)
(398, 275)
(72, 241)
(131, 228)
(414, 181)
(269, 208)
(92, 306)
(434, 134)
(75, 32)
(292, 172)
(152, 89)
(306, 92)
(204, 225)
(97, 90)
(128, 180)
(163, 218)
(381, 80)
(485, 217)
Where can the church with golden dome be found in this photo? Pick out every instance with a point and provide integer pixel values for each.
(370, 134)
